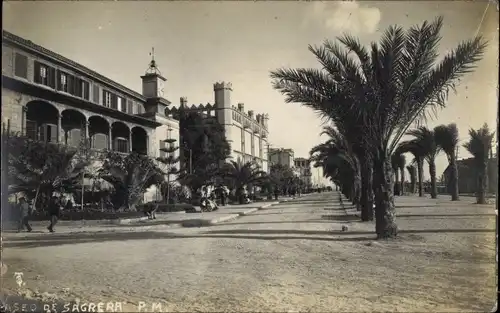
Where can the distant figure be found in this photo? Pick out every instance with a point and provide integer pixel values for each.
(276, 193)
(54, 211)
(25, 212)
(223, 195)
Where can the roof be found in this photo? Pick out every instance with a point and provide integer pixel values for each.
(28, 44)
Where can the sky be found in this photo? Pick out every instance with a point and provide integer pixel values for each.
(198, 43)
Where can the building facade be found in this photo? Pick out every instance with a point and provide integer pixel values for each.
(303, 167)
(246, 132)
(48, 97)
(467, 176)
(281, 156)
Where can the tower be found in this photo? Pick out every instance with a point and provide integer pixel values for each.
(153, 88)
(223, 109)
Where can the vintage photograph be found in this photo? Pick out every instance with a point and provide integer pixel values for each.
(249, 156)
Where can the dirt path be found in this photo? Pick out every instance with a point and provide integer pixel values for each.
(292, 257)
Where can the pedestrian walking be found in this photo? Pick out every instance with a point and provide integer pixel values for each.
(54, 211)
(25, 212)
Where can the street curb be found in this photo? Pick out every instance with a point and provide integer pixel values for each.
(204, 222)
(127, 221)
(226, 218)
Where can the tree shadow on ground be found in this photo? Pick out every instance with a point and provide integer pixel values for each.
(451, 215)
(72, 239)
(416, 206)
(277, 213)
(276, 222)
(106, 237)
(341, 217)
(334, 209)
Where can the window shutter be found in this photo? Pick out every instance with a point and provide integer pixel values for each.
(31, 129)
(51, 75)
(52, 130)
(58, 80)
(95, 94)
(37, 72)
(70, 82)
(21, 65)
(86, 90)
(114, 101)
(104, 98)
(42, 132)
(77, 89)
(130, 107)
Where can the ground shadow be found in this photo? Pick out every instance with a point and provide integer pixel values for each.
(277, 222)
(99, 238)
(341, 217)
(445, 215)
(416, 206)
(334, 209)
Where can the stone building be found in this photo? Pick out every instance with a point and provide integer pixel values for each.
(304, 169)
(52, 98)
(467, 176)
(281, 156)
(246, 132)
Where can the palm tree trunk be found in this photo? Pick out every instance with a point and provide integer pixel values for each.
(385, 224)
(402, 187)
(366, 190)
(432, 172)
(454, 178)
(420, 169)
(357, 190)
(482, 184)
(396, 183)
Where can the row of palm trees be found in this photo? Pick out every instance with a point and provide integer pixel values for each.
(341, 165)
(372, 97)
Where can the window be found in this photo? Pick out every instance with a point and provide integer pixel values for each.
(121, 145)
(48, 133)
(21, 65)
(45, 75)
(130, 107)
(122, 104)
(62, 81)
(31, 129)
(106, 98)
(95, 94)
(140, 108)
(114, 101)
(100, 141)
(85, 89)
(242, 140)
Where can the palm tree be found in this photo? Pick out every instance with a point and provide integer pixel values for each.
(401, 167)
(239, 175)
(430, 149)
(395, 169)
(386, 89)
(130, 176)
(340, 145)
(447, 139)
(414, 147)
(39, 168)
(413, 177)
(479, 146)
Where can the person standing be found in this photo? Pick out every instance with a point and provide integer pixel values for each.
(25, 212)
(223, 195)
(54, 211)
